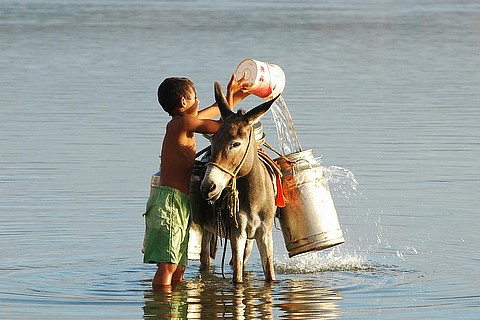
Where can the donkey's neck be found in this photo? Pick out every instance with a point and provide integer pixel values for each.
(255, 188)
(257, 169)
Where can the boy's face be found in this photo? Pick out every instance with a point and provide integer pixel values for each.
(190, 105)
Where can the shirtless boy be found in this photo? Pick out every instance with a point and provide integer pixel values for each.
(168, 209)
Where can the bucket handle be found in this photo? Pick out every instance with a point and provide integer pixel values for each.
(294, 171)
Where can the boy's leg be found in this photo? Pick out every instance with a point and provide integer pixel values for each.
(167, 273)
(164, 274)
(178, 275)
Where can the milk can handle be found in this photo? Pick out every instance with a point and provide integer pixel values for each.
(296, 162)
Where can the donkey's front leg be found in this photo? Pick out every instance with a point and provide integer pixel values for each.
(238, 241)
(206, 249)
(265, 248)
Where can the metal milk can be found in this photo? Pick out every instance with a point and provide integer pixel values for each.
(309, 220)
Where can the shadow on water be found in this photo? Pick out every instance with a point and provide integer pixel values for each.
(210, 296)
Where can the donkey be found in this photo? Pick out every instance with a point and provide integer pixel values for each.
(250, 196)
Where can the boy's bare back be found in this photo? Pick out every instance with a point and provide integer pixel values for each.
(178, 156)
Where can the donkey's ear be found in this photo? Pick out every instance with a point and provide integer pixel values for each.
(221, 101)
(257, 112)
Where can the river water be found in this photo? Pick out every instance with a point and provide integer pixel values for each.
(388, 90)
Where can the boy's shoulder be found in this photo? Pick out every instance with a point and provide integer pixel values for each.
(177, 122)
(190, 124)
(184, 122)
(179, 126)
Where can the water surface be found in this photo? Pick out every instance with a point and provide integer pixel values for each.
(384, 89)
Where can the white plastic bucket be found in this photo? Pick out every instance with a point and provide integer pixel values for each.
(268, 79)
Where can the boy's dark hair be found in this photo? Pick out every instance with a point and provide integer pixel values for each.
(171, 90)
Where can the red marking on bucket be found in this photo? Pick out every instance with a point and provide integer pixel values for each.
(262, 92)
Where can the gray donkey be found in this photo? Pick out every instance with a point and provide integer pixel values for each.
(236, 177)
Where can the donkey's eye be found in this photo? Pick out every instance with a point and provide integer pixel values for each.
(235, 144)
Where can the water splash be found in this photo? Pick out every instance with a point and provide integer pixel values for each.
(286, 134)
(342, 184)
(342, 181)
(334, 260)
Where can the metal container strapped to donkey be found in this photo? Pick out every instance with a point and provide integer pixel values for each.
(309, 220)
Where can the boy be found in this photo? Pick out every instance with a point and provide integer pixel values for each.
(168, 209)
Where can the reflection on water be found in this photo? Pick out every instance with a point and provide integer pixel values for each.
(212, 297)
(301, 300)
(168, 303)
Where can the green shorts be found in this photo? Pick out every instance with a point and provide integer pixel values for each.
(167, 226)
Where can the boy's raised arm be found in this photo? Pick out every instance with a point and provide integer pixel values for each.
(236, 92)
(197, 125)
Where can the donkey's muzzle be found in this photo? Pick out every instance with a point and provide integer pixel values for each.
(208, 190)
(213, 183)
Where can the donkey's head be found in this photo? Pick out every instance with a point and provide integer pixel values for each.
(233, 146)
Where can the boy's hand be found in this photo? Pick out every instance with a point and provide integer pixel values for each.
(237, 90)
(235, 86)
